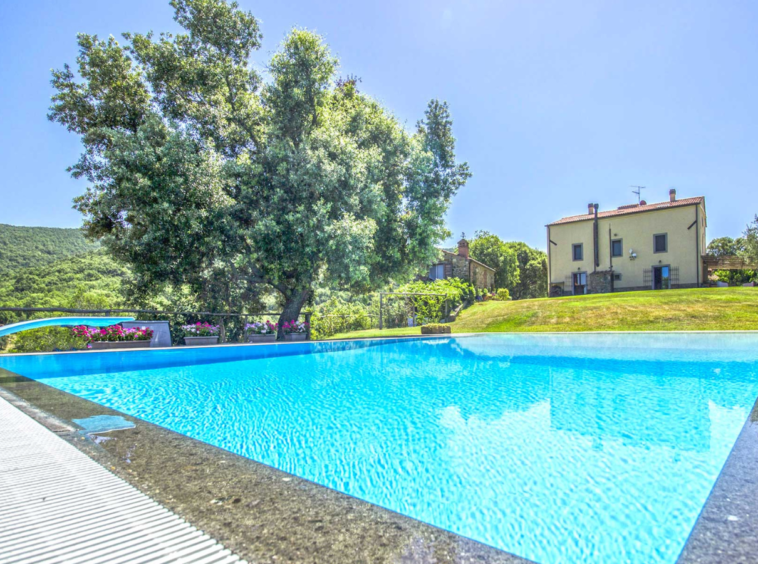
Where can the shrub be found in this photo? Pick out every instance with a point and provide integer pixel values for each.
(429, 309)
(435, 329)
(338, 316)
(503, 294)
(47, 339)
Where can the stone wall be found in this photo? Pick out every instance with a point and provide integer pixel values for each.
(600, 282)
(459, 264)
(482, 277)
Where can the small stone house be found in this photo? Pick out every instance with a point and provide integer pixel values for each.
(461, 265)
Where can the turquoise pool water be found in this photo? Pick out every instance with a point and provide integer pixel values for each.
(558, 448)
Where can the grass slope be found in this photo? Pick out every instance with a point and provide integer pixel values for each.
(700, 309)
(30, 247)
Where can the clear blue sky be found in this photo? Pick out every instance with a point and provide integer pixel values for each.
(556, 103)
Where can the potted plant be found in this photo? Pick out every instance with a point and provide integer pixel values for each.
(200, 334)
(114, 337)
(295, 330)
(261, 332)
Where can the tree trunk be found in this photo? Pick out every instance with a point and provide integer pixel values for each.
(295, 302)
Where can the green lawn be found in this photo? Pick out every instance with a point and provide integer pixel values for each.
(701, 309)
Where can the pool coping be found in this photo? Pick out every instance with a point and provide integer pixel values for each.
(726, 529)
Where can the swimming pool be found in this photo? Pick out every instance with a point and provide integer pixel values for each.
(558, 448)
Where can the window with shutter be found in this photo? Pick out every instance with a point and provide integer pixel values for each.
(617, 248)
(577, 251)
(660, 243)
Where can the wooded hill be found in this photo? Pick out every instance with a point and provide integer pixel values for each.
(44, 267)
(29, 247)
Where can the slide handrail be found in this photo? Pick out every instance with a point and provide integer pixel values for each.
(61, 322)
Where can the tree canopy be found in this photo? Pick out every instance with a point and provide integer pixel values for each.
(492, 251)
(750, 239)
(518, 267)
(28, 247)
(726, 246)
(202, 174)
(746, 246)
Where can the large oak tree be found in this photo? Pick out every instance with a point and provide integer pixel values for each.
(203, 175)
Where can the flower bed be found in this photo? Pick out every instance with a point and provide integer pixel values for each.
(201, 330)
(260, 328)
(114, 337)
(261, 332)
(201, 334)
(295, 330)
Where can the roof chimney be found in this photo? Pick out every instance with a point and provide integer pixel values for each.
(463, 248)
(590, 209)
(672, 195)
(643, 203)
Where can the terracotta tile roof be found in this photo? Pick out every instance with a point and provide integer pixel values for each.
(625, 210)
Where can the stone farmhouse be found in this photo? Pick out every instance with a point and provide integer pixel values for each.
(461, 265)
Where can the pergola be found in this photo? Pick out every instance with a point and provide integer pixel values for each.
(727, 262)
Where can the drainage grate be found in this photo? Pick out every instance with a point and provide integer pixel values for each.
(59, 506)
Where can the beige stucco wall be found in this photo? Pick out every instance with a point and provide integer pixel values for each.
(636, 230)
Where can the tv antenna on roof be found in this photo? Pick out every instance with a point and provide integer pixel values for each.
(638, 191)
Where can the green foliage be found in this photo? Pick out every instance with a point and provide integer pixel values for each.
(751, 240)
(205, 178)
(47, 339)
(92, 280)
(342, 313)
(431, 309)
(47, 267)
(28, 247)
(735, 277)
(435, 329)
(532, 266)
(503, 294)
(518, 267)
(338, 316)
(726, 246)
(492, 251)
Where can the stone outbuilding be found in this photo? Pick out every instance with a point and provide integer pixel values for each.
(461, 265)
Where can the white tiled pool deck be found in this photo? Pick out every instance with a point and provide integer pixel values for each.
(57, 505)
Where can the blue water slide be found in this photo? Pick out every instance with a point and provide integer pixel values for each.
(61, 322)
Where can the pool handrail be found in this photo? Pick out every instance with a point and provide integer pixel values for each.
(61, 322)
